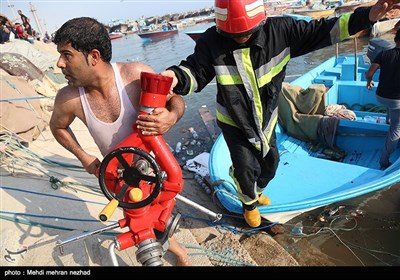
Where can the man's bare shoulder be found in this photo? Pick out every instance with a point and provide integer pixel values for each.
(68, 99)
(67, 92)
(133, 69)
(68, 103)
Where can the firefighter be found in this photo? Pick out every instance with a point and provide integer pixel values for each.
(248, 53)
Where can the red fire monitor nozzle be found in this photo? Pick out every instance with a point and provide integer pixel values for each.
(141, 175)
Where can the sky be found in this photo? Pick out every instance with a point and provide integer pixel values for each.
(51, 14)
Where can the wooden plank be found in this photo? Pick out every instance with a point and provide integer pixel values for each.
(209, 122)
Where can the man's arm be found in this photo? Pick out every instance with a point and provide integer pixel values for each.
(160, 120)
(63, 115)
(370, 73)
(381, 8)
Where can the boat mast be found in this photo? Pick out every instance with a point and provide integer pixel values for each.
(33, 11)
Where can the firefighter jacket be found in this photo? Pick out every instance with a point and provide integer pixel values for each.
(249, 77)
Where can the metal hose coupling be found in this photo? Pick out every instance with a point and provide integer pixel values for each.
(149, 253)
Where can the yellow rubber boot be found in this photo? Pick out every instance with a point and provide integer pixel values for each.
(264, 200)
(252, 217)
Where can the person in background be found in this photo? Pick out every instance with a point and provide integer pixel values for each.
(6, 27)
(248, 54)
(26, 23)
(46, 38)
(104, 96)
(20, 31)
(388, 93)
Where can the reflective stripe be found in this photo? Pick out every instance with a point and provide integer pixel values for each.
(344, 26)
(244, 74)
(245, 199)
(255, 8)
(245, 68)
(193, 82)
(255, 143)
(271, 124)
(266, 72)
(251, 85)
(227, 80)
(223, 115)
(335, 33)
(242, 197)
(220, 13)
(227, 75)
(226, 70)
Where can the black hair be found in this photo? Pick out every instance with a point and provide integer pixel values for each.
(85, 34)
(397, 37)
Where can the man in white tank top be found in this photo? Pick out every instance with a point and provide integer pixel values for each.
(104, 96)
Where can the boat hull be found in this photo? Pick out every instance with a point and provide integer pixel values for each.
(157, 34)
(115, 36)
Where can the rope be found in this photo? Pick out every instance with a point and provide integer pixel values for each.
(369, 107)
(52, 195)
(44, 225)
(18, 154)
(48, 217)
(216, 256)
(55, 183)
(26, 98)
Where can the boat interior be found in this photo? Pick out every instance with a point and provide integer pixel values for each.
(361, 139)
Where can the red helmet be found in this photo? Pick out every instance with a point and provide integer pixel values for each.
(236, 18)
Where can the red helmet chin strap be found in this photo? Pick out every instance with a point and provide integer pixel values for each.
(236, 18)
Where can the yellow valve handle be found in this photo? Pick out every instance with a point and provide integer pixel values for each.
(108, 210)
(112, 205)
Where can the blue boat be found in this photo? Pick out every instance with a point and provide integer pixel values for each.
(308, 178)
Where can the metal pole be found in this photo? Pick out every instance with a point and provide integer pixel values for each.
(337, 50)
(39, 26)
(216, 216)
(113, 257)
(355, 59)
(60, 243)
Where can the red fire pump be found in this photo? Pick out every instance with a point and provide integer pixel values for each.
(142, 176)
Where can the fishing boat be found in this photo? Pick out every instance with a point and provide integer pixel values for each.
(115, 35)
(310, 176)
(156, 34)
